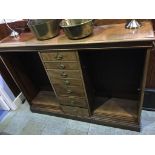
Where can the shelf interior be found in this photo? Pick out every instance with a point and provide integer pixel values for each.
(114, 73)
(115, 77)
(46, 101)
(117, 108)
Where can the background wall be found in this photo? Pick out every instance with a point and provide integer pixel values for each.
(6, 88)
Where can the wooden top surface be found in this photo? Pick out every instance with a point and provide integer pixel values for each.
(115, 33)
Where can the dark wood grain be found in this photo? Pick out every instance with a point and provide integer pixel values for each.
(59, 56)
(67, 82)
(62, 65)
(16, 70)
(151, 71)
(112, 63)
(116, 108)
(115, 73)
(73, 101)
(75, 111)
(92, 119)
(64, 74)
(66, 86)
(9, 79)
(143, 82)
(109, 34)
(46, 100)
(63, 90)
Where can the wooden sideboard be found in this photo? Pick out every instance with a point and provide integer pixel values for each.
(99, 79)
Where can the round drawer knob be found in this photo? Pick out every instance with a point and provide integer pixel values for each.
(72, 102)
(62, 66)
(67, 82)
(71, 97)
(59, 57)
(69, 91)
(64, 75)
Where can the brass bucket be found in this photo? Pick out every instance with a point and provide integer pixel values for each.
(44, 28)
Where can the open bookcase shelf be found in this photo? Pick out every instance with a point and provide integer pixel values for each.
(117, 108)
(46, 101)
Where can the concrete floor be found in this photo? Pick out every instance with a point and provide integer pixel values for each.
(24, 122)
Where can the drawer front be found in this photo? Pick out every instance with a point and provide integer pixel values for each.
(75, 111)
(62, 65)
(62, 90)
(75, 74)
(83, 112)
(73, 101)
(59, 56)
(67, 82)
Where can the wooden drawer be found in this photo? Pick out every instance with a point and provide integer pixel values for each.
(55, 73)
(73, 101)
(75, 111)
(62, 90)
(59, 56)
(62, 65)
(67, 82)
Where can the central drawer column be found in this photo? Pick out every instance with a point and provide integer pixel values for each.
(64, 71)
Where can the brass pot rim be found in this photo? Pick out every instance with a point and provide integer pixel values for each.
(82, 23)
(31, 21)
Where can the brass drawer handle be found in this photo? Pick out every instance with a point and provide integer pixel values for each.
(59, 57)
(62, 66)
(69, 91)
(64, 75)
(66, 82)
(71, 97)
(72, 102)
